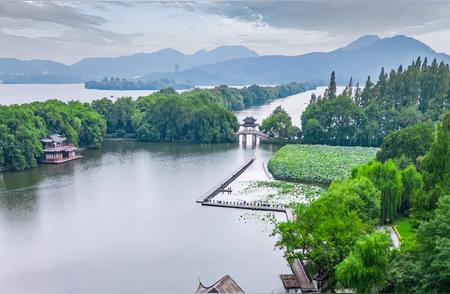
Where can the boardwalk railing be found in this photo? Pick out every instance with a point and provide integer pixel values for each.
(223, 184)
(246, 205)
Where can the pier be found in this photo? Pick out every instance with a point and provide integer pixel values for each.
(223, 184)
(300, 278)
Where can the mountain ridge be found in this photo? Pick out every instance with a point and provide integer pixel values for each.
(347, 61)
(235, 65)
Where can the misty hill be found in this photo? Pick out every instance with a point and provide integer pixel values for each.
(36, 71)
(124, 66)
(363, 57)
(232, 65)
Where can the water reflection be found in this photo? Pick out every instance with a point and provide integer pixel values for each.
(124, 219)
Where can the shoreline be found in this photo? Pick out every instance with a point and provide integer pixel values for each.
(303, 280)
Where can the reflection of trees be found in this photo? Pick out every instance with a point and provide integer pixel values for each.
(20, 203)
(19, 190)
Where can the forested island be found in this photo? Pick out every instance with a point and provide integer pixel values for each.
(123, 84)
(200, 115)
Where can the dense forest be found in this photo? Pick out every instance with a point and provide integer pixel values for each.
(23, 126)
(337, 233)
(363, 117)
(200, 115)
(169, 116)
(123, 115)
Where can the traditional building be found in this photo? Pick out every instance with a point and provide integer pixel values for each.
(56, 151)
(250, 127)
(224, 285)
(249, 123)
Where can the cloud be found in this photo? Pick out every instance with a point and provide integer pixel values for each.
(47, 28)
(338, 17)
(50, 12)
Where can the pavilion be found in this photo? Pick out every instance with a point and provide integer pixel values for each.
(56, 151)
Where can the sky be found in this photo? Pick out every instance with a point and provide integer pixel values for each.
(68, 31)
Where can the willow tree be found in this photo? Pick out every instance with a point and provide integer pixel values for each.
(386, 178)
(436, 164)
(412, 187)
(365, 268)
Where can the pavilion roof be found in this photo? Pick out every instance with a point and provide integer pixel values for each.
(55, 138)
(224, 285)
(250, 119)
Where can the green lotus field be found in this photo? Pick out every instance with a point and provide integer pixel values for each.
(317, 163)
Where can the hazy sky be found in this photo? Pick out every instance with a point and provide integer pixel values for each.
(70, 30)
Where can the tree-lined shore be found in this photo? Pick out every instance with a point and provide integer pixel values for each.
(199, 115)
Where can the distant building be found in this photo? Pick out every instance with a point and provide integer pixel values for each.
(249, 123)
(224, 285)
(56, 151)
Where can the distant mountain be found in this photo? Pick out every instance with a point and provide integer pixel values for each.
(166, 60)
(36, 71)
(232, 65)
(360, 58)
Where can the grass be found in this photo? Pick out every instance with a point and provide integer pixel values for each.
(404, 229)
(318, 163)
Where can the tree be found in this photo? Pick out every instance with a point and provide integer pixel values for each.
(434, 239)
(341, 122)
(332, 86)
(278, 125)
(412, 188)
(425, 267)
(399, 99)
(436, 164)
(412, 142)
(325, 231)
(365, 268)
(387, 179)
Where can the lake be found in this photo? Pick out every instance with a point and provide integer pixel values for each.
(124, 219)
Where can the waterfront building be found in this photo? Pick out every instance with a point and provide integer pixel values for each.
(250, 127)
(249, 123)
(57, 151)
(224, 285)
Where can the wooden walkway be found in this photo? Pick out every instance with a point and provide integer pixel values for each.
(246, 205)
(223, 184)
(303, 280)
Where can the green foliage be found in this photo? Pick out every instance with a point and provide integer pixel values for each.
(190, 116)
(426, 267)
(412, 188)
(337, 121)
(402, 98)
(387, 178)
(325, 231)
(359, 195)
(23, 126)
(279, 125)
(407, 235)
(407, 144)
(118, 114)
(321, 164)
(197, 115)
(436, 164)
(238, 99)
(365, 268)
(20, 134)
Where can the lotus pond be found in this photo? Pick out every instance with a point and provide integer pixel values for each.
(318, 163)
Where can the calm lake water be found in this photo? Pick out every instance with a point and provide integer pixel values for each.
(124, 219)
